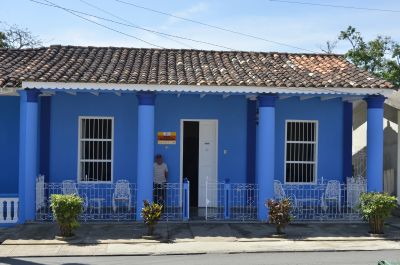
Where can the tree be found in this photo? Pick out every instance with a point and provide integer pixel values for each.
(2, 40)
(380, 56)
(15, 37)
(329, 46)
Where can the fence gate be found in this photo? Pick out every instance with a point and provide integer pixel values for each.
(231, 201)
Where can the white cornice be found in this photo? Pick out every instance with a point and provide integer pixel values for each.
(61, 86)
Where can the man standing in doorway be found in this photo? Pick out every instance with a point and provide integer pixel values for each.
(160, 179)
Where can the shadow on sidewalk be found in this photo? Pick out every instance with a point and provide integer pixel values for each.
(97, 233)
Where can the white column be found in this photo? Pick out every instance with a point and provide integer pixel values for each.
(398, 157)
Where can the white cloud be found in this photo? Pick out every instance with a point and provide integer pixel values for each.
(186, 13)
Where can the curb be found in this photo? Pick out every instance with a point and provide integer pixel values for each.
(366, 238)
(202, 253)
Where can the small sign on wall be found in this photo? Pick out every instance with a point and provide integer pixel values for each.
(166, 137)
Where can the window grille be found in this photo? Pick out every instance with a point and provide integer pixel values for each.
(301, 151)
(96, 149)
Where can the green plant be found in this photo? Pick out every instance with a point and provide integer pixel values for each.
(66, 210)
(151, 214)
(375, 207)
(279, 213)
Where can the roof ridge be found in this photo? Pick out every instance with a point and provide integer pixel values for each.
(180, 49)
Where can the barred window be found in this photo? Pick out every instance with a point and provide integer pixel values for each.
(301, 151)
(95, 148)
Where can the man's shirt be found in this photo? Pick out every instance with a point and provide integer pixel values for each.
(159, 173)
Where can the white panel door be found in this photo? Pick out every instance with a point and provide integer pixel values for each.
(208, 159)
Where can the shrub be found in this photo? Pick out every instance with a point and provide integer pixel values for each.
(375, 208)
(151, 214)
(66, 210)
(279, 213)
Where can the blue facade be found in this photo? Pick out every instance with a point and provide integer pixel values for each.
(9, 143)
(251, 138)
(230, 112)
(329, 115)
(65, 111)
(232, 123)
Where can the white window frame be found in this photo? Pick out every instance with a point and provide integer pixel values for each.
(80, 118)
(315, 152)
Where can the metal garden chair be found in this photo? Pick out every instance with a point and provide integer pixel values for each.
(122, 193)
(280, 194)
(332, 193)
(69, 187)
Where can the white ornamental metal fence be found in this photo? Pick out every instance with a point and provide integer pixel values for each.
(231, 201)
(215, 200)
(173, 197)
(101, 201)
(322, 202)
(9, 208)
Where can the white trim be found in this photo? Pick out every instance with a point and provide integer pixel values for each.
(315, 162)
(9, 91)
(73, 93)
(398, 157)
(351, 99)
(306, 97)
(251, 97)
(282, 97)
(47, 94)
(80, 139)
(328, 98)
(205, 89)
(181, 149)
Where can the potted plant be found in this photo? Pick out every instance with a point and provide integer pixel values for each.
(66, 210)
(279, 214)
(151, 214)
(375, 207)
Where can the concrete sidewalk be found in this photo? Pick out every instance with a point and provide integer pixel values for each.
(192, 238)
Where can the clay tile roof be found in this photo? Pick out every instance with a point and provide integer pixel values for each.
(180, 67)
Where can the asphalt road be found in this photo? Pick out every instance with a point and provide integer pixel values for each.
(309, 258)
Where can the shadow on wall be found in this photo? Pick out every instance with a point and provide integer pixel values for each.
(359, 161)
(389, 149)
(390, 159)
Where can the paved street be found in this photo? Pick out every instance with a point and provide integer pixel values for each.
(309, 258)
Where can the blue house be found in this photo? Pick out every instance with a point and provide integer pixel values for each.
(234, 128)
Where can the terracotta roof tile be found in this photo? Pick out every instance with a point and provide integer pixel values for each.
(180, 67)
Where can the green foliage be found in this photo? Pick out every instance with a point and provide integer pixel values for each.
(380, 56)
(151, 214)
(3, 40)
(375, 208)
(279, 213)
(66, 210)
(377, 204)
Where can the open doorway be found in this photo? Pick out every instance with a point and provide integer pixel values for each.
(199, 160)
(191, 158)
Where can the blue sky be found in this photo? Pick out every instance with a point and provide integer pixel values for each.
(303, 26)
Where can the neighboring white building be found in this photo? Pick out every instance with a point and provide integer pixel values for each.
(391, 139)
